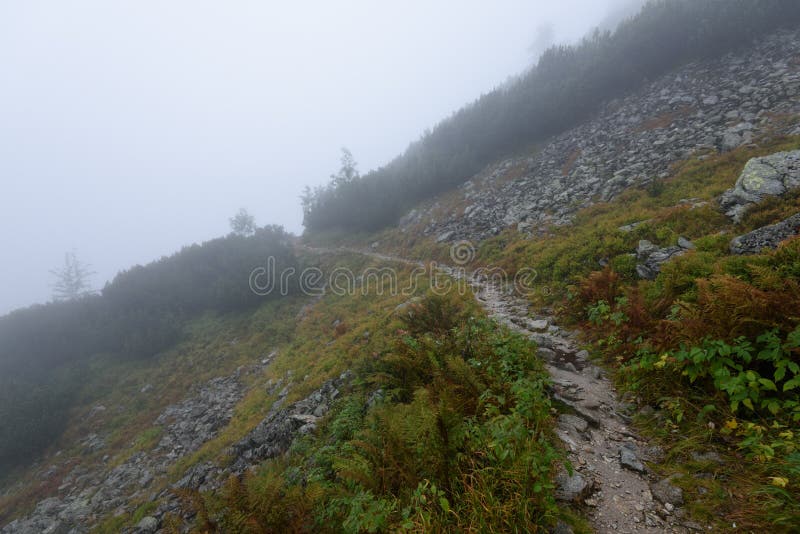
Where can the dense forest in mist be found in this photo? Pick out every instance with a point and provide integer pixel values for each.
(567, 86)
(141, 312)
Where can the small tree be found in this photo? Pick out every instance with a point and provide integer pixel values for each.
(243, 223)
(348, 171)
(72, 280)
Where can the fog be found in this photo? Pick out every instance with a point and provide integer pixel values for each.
(129, 129)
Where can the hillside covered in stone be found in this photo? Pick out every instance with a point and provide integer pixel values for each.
(702, 107)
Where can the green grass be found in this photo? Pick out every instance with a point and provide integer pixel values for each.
(462, 441)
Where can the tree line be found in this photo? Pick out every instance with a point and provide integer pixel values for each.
(566, 87)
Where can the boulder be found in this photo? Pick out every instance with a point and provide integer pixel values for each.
(764, 177)
(651, 257)
(569, 421)
(766, 237)
(629, 459)
(666, 493)
(571, 488)
(538, 325)
(730, 141)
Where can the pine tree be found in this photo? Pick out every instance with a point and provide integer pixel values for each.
(72, 280)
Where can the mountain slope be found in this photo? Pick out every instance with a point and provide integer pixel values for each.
(636, 369)
(567, 87)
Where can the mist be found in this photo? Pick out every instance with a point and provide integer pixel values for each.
(131, 129)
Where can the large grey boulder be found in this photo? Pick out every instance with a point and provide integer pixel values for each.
(769, 176)
(766, 237)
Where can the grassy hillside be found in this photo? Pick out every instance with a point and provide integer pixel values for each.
(709, 350)
(445, 424)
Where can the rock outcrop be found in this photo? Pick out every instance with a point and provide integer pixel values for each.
(651, 257)
(274, 435)
(766, 237)
(769, 176)
(705, 106)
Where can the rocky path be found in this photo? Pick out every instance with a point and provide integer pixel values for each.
(611, 482)
(610, 477)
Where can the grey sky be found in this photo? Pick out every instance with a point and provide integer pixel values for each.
(131, 128)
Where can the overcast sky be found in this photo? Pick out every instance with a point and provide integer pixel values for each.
(131, 128)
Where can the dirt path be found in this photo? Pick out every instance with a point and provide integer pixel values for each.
(611, 482)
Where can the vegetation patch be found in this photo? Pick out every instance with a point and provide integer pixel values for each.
(446, 429)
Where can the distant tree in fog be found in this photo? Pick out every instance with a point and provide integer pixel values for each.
(243, 223)
(348, 171)
(72, 279)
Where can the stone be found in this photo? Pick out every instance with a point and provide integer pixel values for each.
(652, 258)
(573, 421)
(571, 488)
(761, 178)
(629, 459)
(275, 433)
(539, 325)
(546, 354)
(148, 525)
(445, 236)
(644, 249)
(730, 141)
(667, 493)
(707, 457)
(766, 237)
(533, 193)
(376, 398)
(685, 243)
(628, 228)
